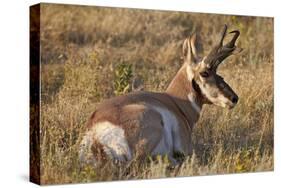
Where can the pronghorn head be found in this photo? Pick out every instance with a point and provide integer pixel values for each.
(202, 72)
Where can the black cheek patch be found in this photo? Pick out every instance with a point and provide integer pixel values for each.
(199, 92)
(196, 87)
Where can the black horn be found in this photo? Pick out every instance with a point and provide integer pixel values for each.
(211, 57)
(220, 52)
(231, 44)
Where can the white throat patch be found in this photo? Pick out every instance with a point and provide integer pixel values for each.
(193, 103)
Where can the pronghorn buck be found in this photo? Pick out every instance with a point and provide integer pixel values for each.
(150, 123)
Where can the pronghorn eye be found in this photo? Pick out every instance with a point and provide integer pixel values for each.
(204, 74)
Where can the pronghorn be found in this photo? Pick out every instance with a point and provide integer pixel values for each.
(150, 123)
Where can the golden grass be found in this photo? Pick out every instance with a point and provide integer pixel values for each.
(83, 46)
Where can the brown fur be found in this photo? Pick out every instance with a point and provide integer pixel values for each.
(143, 125)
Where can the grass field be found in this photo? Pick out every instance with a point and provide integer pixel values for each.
(90, 54)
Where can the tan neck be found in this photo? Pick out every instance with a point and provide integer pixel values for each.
(185, 97)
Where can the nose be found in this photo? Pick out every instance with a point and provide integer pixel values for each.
(234, 99)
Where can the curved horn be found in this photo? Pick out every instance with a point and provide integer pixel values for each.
(220, 51)
(211, 57)
(226, 50)
(223, 34)
(231, 44)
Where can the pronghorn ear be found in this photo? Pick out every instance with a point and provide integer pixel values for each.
(185, 47)
(193, 43)
(189, 49)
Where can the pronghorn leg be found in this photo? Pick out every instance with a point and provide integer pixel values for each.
(173, 161)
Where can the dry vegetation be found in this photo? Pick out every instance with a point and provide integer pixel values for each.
(89, 54)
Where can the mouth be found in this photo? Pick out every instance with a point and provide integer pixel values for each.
(230, 106)
(227, 105)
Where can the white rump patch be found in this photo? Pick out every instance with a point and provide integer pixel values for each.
(85, 153)
(113, 139)
(193, 103)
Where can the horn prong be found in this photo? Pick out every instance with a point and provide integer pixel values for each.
(231, 44)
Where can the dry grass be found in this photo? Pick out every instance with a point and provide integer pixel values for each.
(83, 46)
